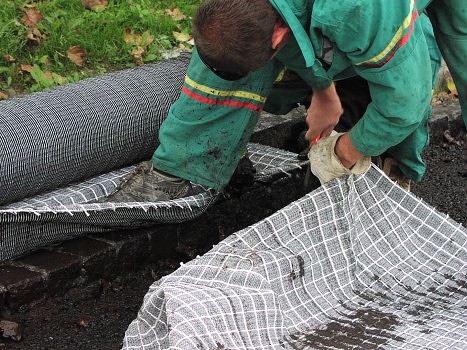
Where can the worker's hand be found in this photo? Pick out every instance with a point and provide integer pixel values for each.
(324, 113)
(326, 165)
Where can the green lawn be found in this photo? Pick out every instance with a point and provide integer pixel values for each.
(51, 42)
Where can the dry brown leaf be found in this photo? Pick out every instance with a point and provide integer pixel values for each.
(11, 329)
(75, 54)
(182, 37)
(132, 38)
(34, 36)
(148, 38)
(3, 96)
(137, 53)
(26, 68)
(128, 36)
(95, 5)
(32, 17)
(9, 58)
(176, 14)
(137, 38)
(83, 323)
(38, 33)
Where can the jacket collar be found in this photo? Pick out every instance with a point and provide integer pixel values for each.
(303, 40)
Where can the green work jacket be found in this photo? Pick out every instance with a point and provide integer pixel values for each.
(207, 129)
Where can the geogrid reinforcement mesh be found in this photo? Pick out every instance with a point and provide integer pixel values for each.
(356, 264)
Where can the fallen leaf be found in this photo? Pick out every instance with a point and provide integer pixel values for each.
(83, 323)
(128, 37)
(138, 54)
(139, 39)
(75, 54)
(95, 5)
(182, 37)
(25, 68)
(38, 33)
(133, 38)
(176, 14)
(34, 35)
(9, 58)
(3, 96)
(185, 47)
(147, 38)
(11, 330)
(32, 17)
(32, 38)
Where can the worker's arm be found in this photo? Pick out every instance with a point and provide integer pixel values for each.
(386, 45)
(324, 113)
(325, 109)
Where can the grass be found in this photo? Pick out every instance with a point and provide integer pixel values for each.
(51, 42)
(44, 43)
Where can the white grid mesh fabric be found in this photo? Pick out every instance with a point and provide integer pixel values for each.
(356, 264)
(72, 211)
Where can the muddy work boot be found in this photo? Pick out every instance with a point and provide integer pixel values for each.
(391, 168)
(146, 184)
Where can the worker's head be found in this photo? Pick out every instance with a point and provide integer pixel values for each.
(235, 37)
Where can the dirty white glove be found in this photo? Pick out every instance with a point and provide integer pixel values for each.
(325, 164)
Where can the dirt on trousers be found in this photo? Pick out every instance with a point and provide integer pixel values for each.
(97, 317)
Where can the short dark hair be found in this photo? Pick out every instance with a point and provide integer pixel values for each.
(235, 35)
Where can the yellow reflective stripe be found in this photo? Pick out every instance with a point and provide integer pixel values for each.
(223, 93)
(395, 39)
(281, 75)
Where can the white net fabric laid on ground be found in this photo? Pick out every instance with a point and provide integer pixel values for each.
(356, 264)
(80, 208)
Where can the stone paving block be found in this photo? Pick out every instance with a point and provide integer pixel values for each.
(58, 270)
(97, 259)
(20, 286)
(446, 116)
(132, 247)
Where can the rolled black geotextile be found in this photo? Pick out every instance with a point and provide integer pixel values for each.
(63, 135)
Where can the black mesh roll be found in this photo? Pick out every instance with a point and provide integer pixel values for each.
(59, 136)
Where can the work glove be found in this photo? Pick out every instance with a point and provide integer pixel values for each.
(326, 165)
